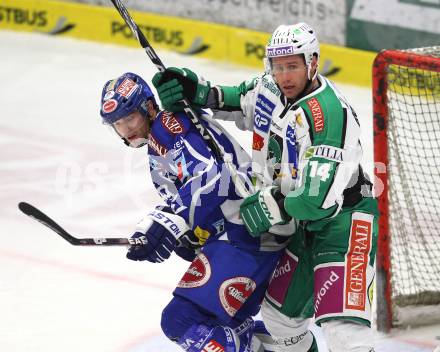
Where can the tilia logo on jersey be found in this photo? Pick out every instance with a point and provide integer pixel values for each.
(357, 261)
(326, 152)
(317, 114)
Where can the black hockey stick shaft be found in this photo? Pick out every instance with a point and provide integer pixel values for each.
(38, 215)
(219, 155)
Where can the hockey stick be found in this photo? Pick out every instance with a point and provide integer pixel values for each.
(38, 215)
(161, 67)
(218, 152)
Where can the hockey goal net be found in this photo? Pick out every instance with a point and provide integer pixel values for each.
(406, 103)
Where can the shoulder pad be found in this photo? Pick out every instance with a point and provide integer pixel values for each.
(173, 123)
(167, 129)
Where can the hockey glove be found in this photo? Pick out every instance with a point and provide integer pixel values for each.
(262, 210)
(175, 84)
(157, 236)
(188, 254)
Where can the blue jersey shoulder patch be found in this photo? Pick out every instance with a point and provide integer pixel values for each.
(167, 129)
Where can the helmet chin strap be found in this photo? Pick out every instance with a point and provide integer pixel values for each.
(126, 142)
(309, 71)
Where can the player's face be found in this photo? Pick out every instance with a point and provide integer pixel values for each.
(134, 128)
(290, 72)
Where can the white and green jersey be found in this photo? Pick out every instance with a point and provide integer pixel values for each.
(310, 149)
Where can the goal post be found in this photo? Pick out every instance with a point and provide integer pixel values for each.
(406, 113)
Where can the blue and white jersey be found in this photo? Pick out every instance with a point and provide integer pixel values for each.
(198, 188)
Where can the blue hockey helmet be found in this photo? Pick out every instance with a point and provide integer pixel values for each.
(124, 95)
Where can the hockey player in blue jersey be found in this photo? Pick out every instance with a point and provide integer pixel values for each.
(225, 283)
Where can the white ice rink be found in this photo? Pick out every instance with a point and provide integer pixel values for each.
(56, 154)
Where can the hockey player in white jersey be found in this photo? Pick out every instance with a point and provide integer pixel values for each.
(306, 165)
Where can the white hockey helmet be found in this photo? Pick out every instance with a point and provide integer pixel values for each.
(293, 39)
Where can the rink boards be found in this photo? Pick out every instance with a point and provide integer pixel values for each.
(190, 37)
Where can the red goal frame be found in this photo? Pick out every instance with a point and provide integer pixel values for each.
(380, 122)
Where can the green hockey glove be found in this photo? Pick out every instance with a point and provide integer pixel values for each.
(261, 211)
(175, 84)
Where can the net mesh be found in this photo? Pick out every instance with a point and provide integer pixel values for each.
(413, 97)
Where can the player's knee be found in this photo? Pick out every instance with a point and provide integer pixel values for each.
(178, 316)
(347, 336)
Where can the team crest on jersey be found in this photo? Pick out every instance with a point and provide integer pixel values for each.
(127, 87)
(197, 274)
(170, 122)
(317, 114)
(234, 293)
(274, 154)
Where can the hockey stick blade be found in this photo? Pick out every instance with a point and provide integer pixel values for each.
(42, 218)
